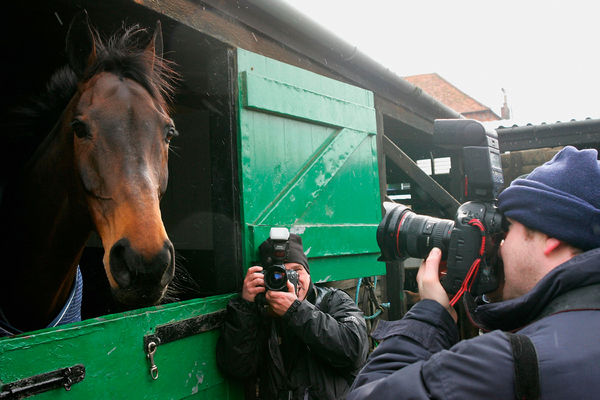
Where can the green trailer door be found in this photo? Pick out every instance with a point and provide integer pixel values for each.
(308, 162)
(107, 357)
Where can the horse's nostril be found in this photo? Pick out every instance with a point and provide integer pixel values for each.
(118, 263)
(129, 268)
(166, 258)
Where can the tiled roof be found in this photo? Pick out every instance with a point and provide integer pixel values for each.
(450, 95)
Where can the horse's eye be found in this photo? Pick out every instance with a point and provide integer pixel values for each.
(80, 128)
(171, 132)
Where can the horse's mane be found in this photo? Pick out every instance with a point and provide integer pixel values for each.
(121, 54)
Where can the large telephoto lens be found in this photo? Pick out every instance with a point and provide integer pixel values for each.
(276, 278)
(403, 234)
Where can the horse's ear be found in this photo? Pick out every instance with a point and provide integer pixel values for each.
(156, 44)
(81, 48)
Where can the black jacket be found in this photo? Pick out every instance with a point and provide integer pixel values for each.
(315, 350)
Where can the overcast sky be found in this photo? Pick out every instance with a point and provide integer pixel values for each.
(545, 54)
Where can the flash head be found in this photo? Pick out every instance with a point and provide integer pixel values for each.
(482, 165)
(279, 234)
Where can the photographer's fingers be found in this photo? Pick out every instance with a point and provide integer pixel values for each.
(291, 288)
(429, 270)
(428, 279)
(253, 283)
(281, 301)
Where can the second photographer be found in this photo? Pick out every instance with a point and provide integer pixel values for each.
(550, 292)
(301, 341)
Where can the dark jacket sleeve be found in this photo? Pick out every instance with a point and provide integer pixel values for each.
(419, 359)
(239, 348)
(338, 336)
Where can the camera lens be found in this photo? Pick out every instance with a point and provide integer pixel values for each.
(402, 234)
(276, 278)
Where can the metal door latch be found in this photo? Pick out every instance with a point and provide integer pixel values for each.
(151, 349)
(64, 377)
(179, 330)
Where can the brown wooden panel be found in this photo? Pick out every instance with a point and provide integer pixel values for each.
(405, 115)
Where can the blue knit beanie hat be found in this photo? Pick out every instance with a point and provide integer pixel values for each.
(560, 198)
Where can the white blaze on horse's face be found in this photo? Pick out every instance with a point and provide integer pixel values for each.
(122, 137)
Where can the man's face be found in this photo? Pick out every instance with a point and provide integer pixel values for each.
(521, 253)
(303, 279)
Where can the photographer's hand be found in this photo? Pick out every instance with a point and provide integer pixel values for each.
(281, 301)
(254, 283)
(430, 286)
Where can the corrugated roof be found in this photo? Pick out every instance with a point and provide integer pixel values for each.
(585, 133)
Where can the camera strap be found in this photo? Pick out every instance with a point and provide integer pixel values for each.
(526, 368)
(472, 274)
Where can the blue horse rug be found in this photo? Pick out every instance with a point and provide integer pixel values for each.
(71, 312)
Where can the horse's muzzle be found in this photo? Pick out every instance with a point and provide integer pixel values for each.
(141, 281)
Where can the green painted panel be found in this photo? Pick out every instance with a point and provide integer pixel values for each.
(345, 267)
(112, 351)
(266, 67)
(265, 94)
(304, 188)
(308, 161)
(275, 152)
(350, 194)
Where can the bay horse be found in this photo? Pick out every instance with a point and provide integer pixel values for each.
(103, 168)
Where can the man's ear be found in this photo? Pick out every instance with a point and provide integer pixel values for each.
(551, 244)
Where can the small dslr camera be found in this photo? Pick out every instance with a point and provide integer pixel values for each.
(276, 274)
(470, 243)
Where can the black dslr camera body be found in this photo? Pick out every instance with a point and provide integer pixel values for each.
(276, 274)
(470, 243)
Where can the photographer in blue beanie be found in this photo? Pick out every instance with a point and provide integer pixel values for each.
(542, 338)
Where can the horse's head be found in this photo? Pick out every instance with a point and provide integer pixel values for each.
(121, 133)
